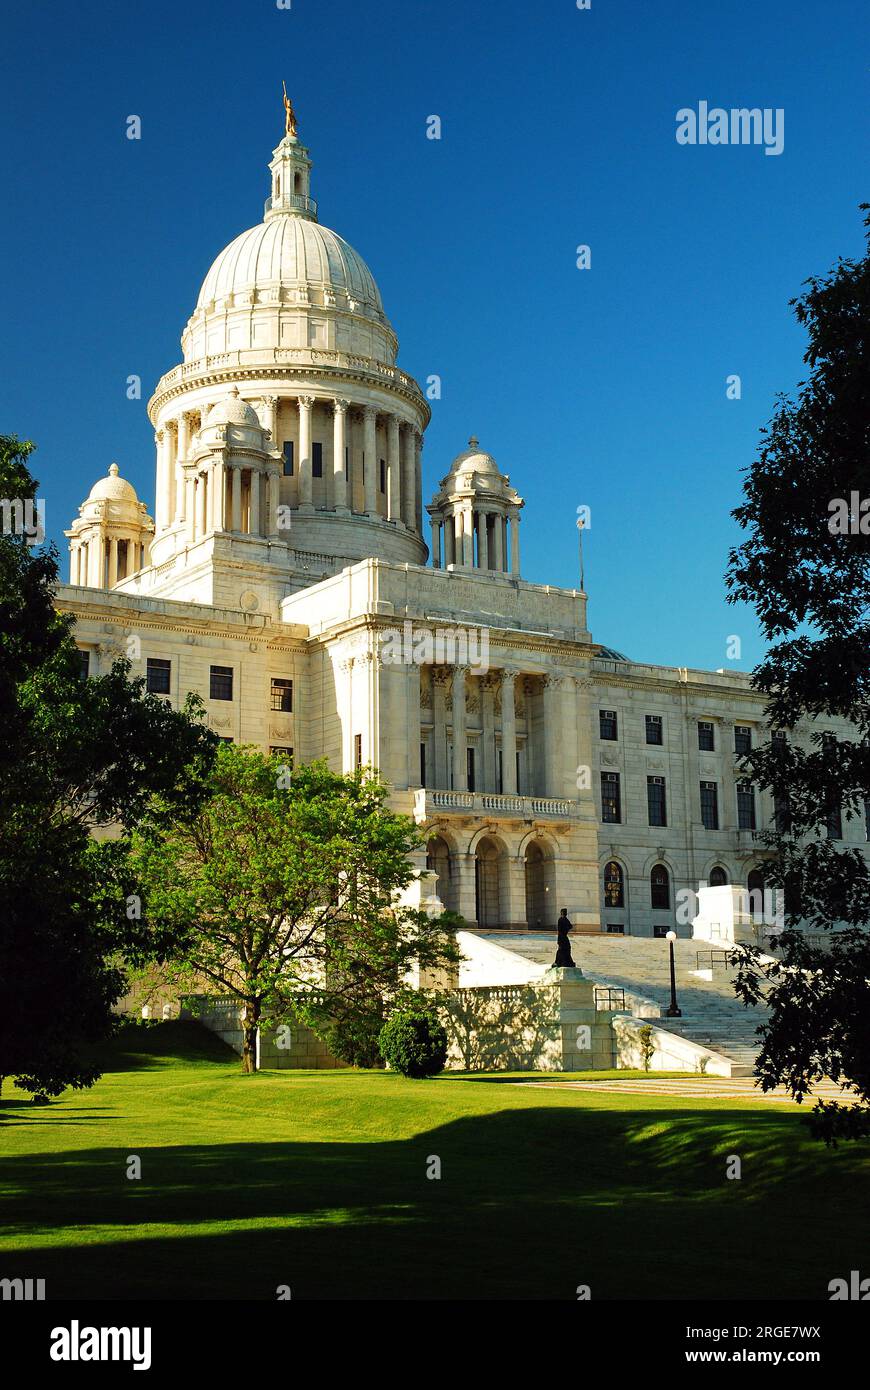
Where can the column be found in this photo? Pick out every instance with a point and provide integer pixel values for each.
(255, 502)
(236, 519)
(413, 715)
(270, 417)
(483, 540)
(305, 486)
(418, 483)
(468, 536)
(515, 542)
(409, 476)
(97, 560)
(161, 439)
(113, 561)
(508, 734)
(202, 505)
(488, 770)
(74, 564)
(498, 541)
(171, 430)
(394, 489)
(274, 492)
(218, 499)
(370, 460)
(460, 760)
(436, 542)
(339, 449)
(190, 506)
(440, 678)
(182, 444)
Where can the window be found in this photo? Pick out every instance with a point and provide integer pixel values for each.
(745, 806)
(346, 462)
(422, 764)
(867, 820)
(282, 695)
(718, 877)
(225, 738)
(709, 806)
(221, 683)
(659, 888)
(755, 884)
(607, 723)
(655, 800)
(615, 929)
(781, 813)
(357, 750)
(654, 732)
(383, 468)
(614, 885)
(610, 809)
(519, 778)
(469, 766)
(779, 736)
(317, 460)
(281, 751)
(157, 675)
(660, 929)
(287, 451)
(834, 822)
(499, 772)
(706, 742)
(84, 664)
(742, 738)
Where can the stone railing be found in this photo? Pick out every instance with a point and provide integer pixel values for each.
(428, 801)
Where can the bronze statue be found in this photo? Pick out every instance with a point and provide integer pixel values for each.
(289, 113)
(563, 951)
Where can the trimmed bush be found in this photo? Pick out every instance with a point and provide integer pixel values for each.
(355, 1040)
(414, 1043)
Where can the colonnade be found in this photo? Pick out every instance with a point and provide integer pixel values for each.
(477, 538)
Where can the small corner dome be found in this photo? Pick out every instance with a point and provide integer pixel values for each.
(232, 410)
(113, 488)
(474, 460)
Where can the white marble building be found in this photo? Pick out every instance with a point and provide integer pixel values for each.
(284, 578)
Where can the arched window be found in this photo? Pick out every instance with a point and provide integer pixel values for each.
(718, 876)
(614, 885)
(755, 884)
(659, 887)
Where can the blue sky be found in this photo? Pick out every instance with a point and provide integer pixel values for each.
(604, 387)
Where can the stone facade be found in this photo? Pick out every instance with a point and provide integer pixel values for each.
(284, 580)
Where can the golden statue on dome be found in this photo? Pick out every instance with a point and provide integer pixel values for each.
(289, 113)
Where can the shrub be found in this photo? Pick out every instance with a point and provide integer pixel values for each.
(414, 1043)
(647, 1046)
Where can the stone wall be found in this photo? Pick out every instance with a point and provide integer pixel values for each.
(292, 1047)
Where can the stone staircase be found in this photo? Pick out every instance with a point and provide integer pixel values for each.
(712, 1015)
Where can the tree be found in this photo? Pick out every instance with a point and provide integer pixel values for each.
(283, 892)
(806, 568)
(78, 757)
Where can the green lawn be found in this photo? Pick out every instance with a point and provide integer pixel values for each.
(318, 1180)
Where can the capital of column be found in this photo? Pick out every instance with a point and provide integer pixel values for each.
(369, 412)
(340, 405)
(306, 402)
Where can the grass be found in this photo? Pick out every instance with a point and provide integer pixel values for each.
(317, 1180)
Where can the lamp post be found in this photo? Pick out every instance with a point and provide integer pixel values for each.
(672, 1011)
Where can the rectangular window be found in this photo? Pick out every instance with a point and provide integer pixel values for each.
(742, 738)
(655, 800)
(779, 736)
(346, 462)
(220, 686)
(706, 742)
(288, 458)
(157, 675)
(422, 764)
(317, 460)
(709, 805)
(611, 813)
(834, 823)
(660, 929)
(654, 732)
(500, 773)
(383, 473)
(357, 750)
(745, 806)
(607, 724)
(225, 738)
(519, 779)
(615, 929)
(469, 765)
(282, 695)
(84, 664)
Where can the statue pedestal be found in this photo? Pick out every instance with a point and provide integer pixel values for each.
(557, 973)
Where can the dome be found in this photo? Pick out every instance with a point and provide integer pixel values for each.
(287, 251)
(474, 460)
(233, 411)
(113, 488)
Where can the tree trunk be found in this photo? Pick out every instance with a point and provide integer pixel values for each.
(250, 1027)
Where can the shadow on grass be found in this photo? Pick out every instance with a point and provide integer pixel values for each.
(531, 1202)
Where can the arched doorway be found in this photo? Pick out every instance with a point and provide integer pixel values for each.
(487, 897)
(755, 884)
(439, 861)
(538, 910)
(718, 877)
